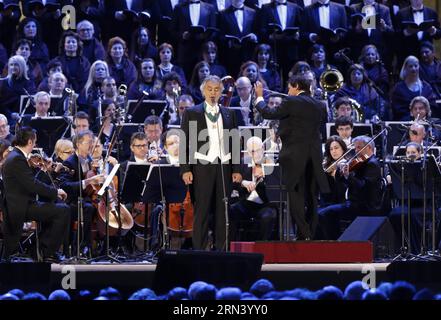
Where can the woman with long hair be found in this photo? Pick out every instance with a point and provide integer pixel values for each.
(147, 81)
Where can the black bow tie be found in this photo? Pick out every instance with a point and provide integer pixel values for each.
(195, 2)
(419, 10)
(237, 9)
(281, 4)
(324, 5)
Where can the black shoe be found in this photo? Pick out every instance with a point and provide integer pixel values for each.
(55, 258)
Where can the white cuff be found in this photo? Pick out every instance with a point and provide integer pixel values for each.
(258, 99)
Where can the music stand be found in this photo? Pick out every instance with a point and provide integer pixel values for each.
(49, 130)
(104, 192)
(145, 109)
(132, 189)
(407, 184)
(164, 185)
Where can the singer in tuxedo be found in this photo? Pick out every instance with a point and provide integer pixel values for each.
(411, 39)
(301, 155)
(327, 14)
(285, 14)
(185, 15)
(203, 171)
(237, 20)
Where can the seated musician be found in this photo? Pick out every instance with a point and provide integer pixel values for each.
(4, 129)
(253, 203)
(414, 153)
(273, 143)
(81, 122)
(417, 134)
(72, 183)
(343, 108)
(153, 129)
(21, 205)
(63, 149)
(60, 99)
(335, 147)
(42, 104)
(344, 127)
(420, 110)
(364, 190)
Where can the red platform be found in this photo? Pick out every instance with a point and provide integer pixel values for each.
(309, 251)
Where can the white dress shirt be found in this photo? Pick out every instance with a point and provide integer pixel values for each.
(221, 5)
(418, 17)
(369, 10)
(195, 11)
(324, 14)
(138, 160)
(174, 3)
(129, 4)
(245, 110)
(307, 3)
(239, 19)
(282, 12)
(262, 2)
(215, 137)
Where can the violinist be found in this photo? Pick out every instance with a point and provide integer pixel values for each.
(72, 183)
(20, 203)
(335, 148)
(363, 176)
(253, 203)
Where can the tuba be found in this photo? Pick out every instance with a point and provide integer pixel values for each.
(331, 80)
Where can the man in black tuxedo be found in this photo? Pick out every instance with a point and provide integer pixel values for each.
(162, 13)
(237, 20)
(327, 14)
(21, 188)
(72, 183)
(285, 47)
(204, 171)
(301, 155)
(380, 35)
(364, 191)
(410, 39)
(185, 15)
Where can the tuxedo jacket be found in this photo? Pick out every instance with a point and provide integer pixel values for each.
(300, 120)
(228, 24)
(196, 116)
(311, 18)
(268, 14)
(406, 14)
(21, 187)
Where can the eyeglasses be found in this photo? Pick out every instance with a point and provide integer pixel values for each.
(139, 145)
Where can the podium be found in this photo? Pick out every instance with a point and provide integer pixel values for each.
(49, 130)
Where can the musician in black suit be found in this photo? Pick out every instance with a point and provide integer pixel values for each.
(301, 155)
(379, 35)
(204, 171)
(285, 14)
(185, 15)
(410, 39)
(325, 14)
(21, 188)
(72, 183)
(365, 191)
(237, 20)
(253, 202)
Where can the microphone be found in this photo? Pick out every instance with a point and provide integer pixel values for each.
(340, 53)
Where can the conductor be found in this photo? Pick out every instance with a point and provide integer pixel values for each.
(301, 156)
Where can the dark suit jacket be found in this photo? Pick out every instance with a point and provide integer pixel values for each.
(409, 45)
(365, 186)
(268, 14)
(197, 114)
(71, 182)
(21, 187)
(300, 120)
(228, 25)
(311, 19)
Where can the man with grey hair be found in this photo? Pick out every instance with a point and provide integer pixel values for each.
(4, 129)
(93, 49)
(210, 180)
(365, 192)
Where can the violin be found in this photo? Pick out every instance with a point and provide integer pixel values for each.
(354, 163)
(39, 162)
